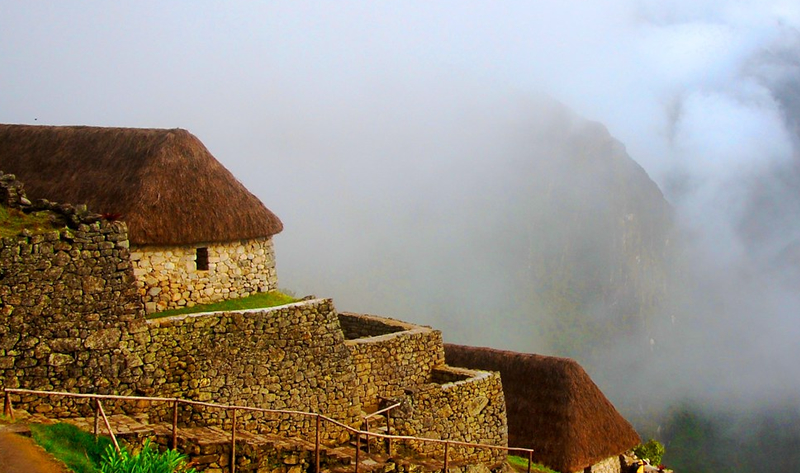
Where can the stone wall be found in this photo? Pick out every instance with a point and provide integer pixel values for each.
(405, 362)
(72, 319)
(386, 365)
(471, 410)
(288, 357)
(363, 326)
(168, 277)
(609, 465)
(67, 299)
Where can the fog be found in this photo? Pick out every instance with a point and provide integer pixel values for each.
(395, 142)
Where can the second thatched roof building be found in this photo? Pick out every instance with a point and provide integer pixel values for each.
(197, 234)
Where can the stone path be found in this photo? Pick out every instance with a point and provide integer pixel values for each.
(209, 448)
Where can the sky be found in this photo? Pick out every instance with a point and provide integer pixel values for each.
(347, 119)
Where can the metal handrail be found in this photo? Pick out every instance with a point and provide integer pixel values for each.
(8, 411)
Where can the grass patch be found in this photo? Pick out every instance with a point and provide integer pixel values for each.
(521, 464)
(76, 448)
(258, 300)
(12, 221)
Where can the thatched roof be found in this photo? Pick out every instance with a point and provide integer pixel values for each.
(164, 183)
(553, 406)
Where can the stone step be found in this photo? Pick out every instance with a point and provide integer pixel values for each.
(205, 445)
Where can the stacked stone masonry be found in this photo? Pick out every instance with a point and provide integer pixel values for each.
(405, 363)
(288, 357)
(609, 465)
(72, 319)
(169, 277)
(67, 299)
(399, 357)
(471, 410)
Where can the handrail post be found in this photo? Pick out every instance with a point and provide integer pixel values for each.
(358, 447)
(446, 448)
(8, 411)
(108, 425)
(366, 429)
(530, 460)
(388, 432)
(316, 447)
(97, 419)
(233, 442)
(175, 425)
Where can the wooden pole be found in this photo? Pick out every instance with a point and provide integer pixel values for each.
(233, 443)
(108, 426)
(316, 448)
(96, 420)
(175, 425)
(530, 460)
(366, 429)
(388, 432)
(446, 454)
(358, 448)
(8, 410)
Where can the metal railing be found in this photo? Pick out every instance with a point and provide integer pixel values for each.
(318, 418)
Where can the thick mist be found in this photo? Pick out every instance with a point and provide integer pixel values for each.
(430, 162)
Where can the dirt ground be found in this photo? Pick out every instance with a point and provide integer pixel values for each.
(20, 454)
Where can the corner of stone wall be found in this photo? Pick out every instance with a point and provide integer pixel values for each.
(469, 409)
(67, 299)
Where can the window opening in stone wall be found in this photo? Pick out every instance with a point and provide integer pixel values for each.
(201, 259)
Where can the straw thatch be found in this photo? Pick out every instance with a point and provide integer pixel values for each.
(553, 406)
(164, 183)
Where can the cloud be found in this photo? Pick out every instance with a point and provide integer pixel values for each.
(366, 126)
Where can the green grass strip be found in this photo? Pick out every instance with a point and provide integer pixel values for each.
(258, 300)
(76, 448)
(521, 464)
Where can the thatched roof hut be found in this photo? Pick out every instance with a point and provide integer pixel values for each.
(164, 183)
(553, 406)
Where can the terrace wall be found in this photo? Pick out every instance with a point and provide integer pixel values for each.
(400, 356)
(471, 408)
(288, 357)
(71, 319)
(405, 362)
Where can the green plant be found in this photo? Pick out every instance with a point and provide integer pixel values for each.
(148, 460)
(77, 449)
(651, 450)
(521, 464)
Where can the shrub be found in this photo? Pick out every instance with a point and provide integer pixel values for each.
(148, 460)
(652, 450)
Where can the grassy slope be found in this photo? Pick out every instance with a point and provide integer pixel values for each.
(76, 448)
(256, 301)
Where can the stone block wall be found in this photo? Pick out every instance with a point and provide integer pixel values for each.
(288, 357)
(169, 278)
(66, 300)
(470, 410)
(363, 326)
(609, 465)
(401, 358)
(72, 319)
